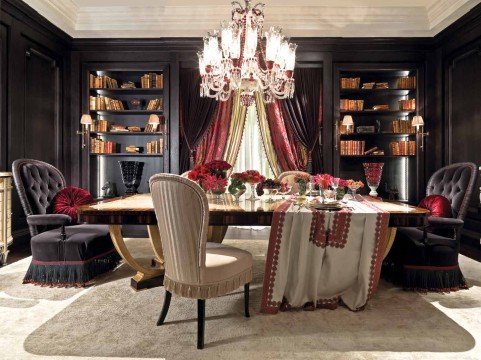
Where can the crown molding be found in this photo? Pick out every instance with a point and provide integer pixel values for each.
(122, 19)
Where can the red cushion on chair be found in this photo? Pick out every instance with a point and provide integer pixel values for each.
(438, 205)
(69, 199)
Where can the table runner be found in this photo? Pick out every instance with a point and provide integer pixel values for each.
(321, 257)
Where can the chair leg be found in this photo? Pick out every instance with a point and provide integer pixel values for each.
(200, 323)
(246, 300)
(165, 308)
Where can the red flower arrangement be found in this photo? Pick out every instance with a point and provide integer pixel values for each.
(323, 180)
(252, 176)
(211, 176)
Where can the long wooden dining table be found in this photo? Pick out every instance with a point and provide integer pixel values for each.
(223, 212)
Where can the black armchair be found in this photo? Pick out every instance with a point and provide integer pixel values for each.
(427, 259)
(62, 255)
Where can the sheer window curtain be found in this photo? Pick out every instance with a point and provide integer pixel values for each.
(252, 155)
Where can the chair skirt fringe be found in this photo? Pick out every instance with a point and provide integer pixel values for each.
(209, 290)
(78, 274)
(431, 278)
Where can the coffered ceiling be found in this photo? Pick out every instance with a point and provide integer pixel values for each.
(302, 18)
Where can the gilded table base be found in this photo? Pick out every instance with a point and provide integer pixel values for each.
(146, 277)
(391, 235)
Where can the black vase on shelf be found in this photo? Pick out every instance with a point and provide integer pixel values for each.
(131, 174)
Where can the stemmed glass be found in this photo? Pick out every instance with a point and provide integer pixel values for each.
(310, 186)
(334, 185)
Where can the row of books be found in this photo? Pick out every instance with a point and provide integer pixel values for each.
(155, 104)
(152, 80)
(352, 105)
(99, 125)
(352, 147)
(105, 103)
(102, 82)
(98, 146)
(403, 127)
(407, 82)
(409, 104)
(403, 147)
(350, 83)
(155, 147)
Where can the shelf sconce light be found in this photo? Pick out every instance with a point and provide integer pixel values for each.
(348, 122)
(85, 121)
(418, 123)
(154, 120)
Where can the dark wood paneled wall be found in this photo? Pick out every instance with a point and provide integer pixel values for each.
(34, 104)
(449, 106)
(458, 130)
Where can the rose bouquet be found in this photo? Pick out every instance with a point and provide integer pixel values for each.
(237, 185)
(219, 168)
(302, 180)
(252, 177)
(211, 176)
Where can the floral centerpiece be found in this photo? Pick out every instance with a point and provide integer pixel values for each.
(237, 185)
(323, 181)
(302, 180)
(211, 176)
(253, 177)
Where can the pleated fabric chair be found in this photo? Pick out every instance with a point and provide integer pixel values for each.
(289, 176)
(194, 268)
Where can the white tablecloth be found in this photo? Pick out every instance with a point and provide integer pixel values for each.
(318, 258)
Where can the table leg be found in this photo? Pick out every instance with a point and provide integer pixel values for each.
(145, 277)
(391, 235)
(156, 243)
(216, 234)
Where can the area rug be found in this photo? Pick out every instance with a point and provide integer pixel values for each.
(110, 320)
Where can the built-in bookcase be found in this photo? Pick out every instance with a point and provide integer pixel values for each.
(118, 114)
(382, 101)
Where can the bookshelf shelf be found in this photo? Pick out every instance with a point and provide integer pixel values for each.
(379, 112)
(400, 172)
(102, 88)
(136, 91)
(128, 155)
(401, 92)
(126, 133)
(127, 112)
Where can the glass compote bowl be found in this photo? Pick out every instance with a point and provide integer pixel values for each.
(354, 187)
(270, 192)
(252, 196)
(285, 190)
(238, 193)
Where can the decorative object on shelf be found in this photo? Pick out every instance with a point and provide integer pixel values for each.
(134, 129)
(131, 175)
(241, 64)
(368, 85)
(110, 190)
(365, 129)
(348, 122)
(85, 122)
(5, 215)
(373, 172)
(383, 107)
(135, 104)
(118, 128)
(133, 149)
(418, 123)
(128, 85)
(154, 122)
(382, 85)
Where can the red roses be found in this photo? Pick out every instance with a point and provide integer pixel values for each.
(211, 176)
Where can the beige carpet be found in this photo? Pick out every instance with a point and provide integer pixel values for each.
(110, 320)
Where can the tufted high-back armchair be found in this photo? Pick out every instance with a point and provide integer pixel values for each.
(456, 183)
(37, 184)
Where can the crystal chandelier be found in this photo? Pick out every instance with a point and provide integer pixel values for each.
(235, 59)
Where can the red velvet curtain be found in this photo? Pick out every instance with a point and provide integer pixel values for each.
(304, 113)
(214, 141)
(288, 153)
(196, 115)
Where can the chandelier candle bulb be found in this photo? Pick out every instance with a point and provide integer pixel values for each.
(237, 61)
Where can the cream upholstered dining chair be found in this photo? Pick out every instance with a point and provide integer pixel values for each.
(289, 176)
(185, 174)
(194, 268)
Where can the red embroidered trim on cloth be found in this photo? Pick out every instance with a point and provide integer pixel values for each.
(382, 223)
(340, 229)
(318, 235)
(275, 238)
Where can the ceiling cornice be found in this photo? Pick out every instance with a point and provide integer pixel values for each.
(177, 19)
